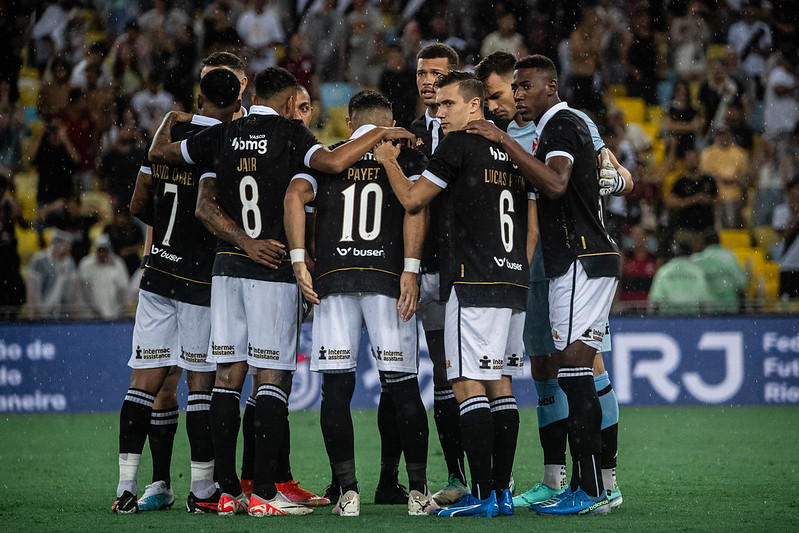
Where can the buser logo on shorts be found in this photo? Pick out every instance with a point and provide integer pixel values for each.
(262, 353)
(333, 355)
(152, 353)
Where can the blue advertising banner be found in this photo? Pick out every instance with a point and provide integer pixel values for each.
(82, 367)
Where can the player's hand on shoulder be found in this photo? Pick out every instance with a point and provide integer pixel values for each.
(486, 129)
(305, 281)
(267, 252)
(386, 152)
(409, 295)
(398, 134)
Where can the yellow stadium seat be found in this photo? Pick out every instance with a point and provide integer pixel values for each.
(654, 114)
(617, 90)
(652, 129)
(765, 238)
(633, 108)
(734, 238)
(27, 244)
(749, 258)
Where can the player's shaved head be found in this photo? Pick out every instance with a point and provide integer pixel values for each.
(468, 85)
(368, 107)
(272, 81)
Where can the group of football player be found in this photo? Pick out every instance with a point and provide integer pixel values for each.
(490, 232)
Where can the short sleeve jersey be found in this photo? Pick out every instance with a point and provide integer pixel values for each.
(359, 228)
(253, 160)
(572, 226)
(182, 252)
(483, 222)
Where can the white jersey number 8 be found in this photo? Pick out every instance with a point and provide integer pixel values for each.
(249, 204)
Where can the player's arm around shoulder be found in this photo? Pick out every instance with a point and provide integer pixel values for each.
(413, 195)
(546, 179)
(300, 192)
(163, 150)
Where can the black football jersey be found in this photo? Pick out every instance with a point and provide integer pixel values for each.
(182, 252)
(253, 160)
(483, 231)
(571, 227)
(359, 227)
(426, 143)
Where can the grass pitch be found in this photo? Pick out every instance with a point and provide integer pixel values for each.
(680, 469)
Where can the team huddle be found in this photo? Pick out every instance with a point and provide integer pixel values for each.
(490, 232)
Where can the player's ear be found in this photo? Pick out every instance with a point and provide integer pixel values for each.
(237, 106)
(200, 101)
(393, 123)
(552, 85)
(243, 81)
(290, 105)
(350, 126)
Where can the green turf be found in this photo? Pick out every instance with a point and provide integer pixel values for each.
(680, 469)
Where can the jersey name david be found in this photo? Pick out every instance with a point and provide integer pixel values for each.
(182, 251)
(483, 239)
(359, 228)
(571, 226)
(253, 160)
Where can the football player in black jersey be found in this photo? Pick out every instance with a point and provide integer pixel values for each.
(173, 320)
(496, 72)
(256, 309)
(362, 279)
(433, 62)
(485, 248)
(582, 264)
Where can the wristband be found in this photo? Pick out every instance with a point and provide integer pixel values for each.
(297, 255)
(412, 265)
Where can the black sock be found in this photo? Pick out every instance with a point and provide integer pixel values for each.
(585, 421)
(390, 439)
(506, 433)
(134, 420)
(446, 413)
(163, 426)
(553, 441)
(477, 433)
(336, 421)
(283, 468)
(198, 426)
(412, 425)
(271, 415)
(610, 446)
(248, 439)
(225, 416)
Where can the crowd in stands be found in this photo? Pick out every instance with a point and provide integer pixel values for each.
(698, 99)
